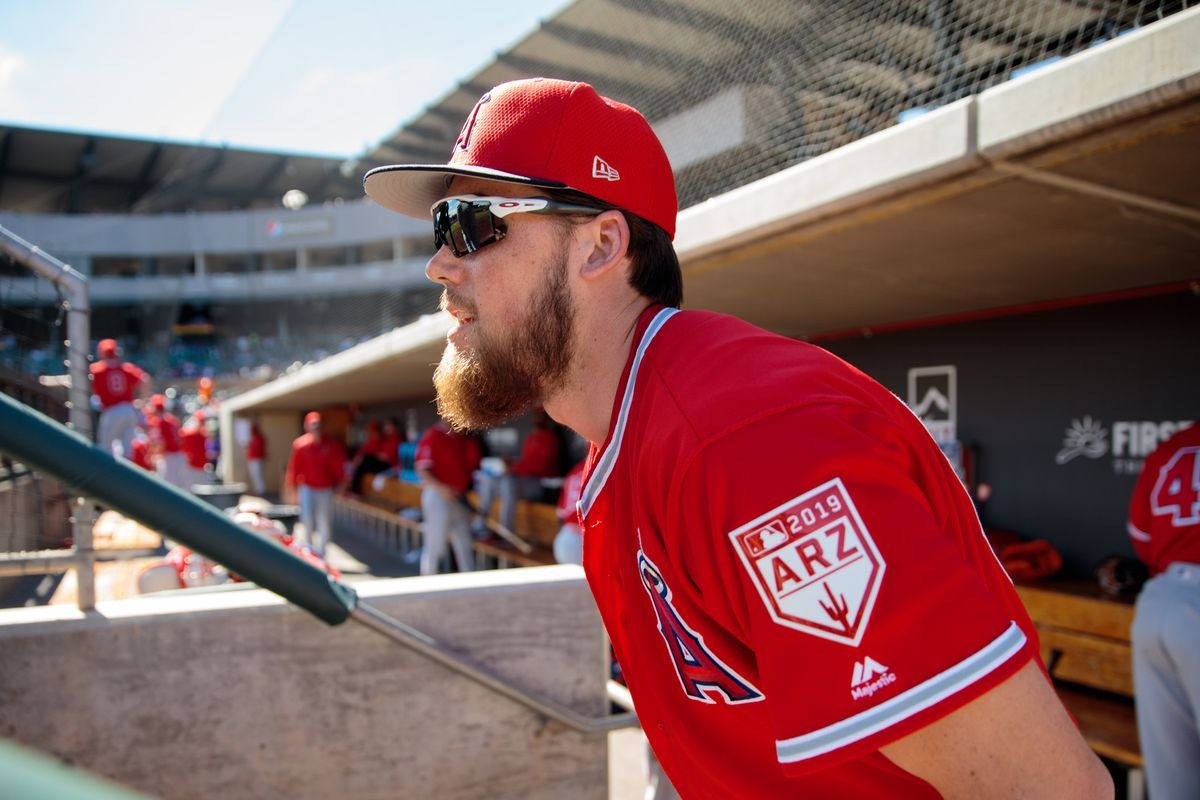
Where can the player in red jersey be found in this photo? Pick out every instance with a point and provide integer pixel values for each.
(795, 582)
(1164, 525)
(315, 471)
(116, 384)
(444, 462)
(165, 446)
(522, 480)
(256, 453)
(193, 441)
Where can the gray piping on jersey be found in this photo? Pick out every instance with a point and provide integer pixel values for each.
(1136, 533)
(604, 466)
(903, 706)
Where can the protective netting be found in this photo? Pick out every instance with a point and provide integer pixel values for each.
(739, 91)
(813, 76)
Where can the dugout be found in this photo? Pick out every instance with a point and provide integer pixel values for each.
(1042, 237)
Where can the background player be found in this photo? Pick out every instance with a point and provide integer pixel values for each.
(165, 446)
(316, 469)
(116, 384)
(444, 462)
(794, 581)
(1164, 524)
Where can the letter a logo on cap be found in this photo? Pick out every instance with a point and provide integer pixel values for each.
(464, 135)
(602, 170)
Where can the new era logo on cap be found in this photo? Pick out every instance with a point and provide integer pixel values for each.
(603, 170)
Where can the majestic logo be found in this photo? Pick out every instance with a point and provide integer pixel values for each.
(603, 170)
(869, 677)
(705, 678)
(814, 564)
(1085, 437)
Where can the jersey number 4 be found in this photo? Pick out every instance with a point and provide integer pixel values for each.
(1177, 491)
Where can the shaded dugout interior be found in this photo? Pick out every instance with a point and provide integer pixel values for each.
(1023, 382)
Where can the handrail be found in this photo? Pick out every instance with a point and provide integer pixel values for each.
(42, 443)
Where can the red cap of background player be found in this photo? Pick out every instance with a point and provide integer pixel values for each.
(548, 133)
(311, 418)
(158, 402)
(107, 348)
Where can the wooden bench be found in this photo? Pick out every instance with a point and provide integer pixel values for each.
(536, 523)
(1084, 637)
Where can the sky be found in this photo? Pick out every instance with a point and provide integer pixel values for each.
(328, 77)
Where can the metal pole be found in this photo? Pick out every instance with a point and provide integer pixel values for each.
(79, 315)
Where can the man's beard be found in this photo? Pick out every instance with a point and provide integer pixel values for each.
(499, 378)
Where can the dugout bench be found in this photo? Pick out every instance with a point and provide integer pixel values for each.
(1084, 636)
(536, 523)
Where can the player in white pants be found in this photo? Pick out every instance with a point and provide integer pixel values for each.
(444, 519)
(316, 514)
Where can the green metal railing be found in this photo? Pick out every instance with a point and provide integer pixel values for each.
(41, 443)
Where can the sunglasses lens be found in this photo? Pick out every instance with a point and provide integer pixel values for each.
(465, 226)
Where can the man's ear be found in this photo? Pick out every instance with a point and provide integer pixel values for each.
(606, 238)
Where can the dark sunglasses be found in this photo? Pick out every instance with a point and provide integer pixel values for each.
(467, 223)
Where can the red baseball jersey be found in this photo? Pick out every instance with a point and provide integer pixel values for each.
(163, 430)
(193, 443)
(115, 383)
(1164, 512)
(389, 449)
(450, 456)
(318, 463)
(790, 572)
(140, 453)
(539, 455)
(256, 448)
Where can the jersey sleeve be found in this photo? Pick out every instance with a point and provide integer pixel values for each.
(425, 457)
(837, 551)
(1140, 523)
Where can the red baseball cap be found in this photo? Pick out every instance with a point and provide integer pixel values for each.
(158, 402)
(311, 418)
(107, 348)
(548, 133)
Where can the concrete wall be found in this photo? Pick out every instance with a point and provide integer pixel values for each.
(235, 694)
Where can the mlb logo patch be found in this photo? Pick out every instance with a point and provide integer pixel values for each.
(814, 564)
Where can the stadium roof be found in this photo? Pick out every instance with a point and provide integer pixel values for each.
(56, 172)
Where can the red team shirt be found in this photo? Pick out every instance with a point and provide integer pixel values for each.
(1164, 512)
(316, 463)
(539, 455)
(163, 430)
(193, 442)
(451, 457)
(256, 449)
(791, 574)
(115, 383)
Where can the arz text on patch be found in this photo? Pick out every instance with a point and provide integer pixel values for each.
(814, 564)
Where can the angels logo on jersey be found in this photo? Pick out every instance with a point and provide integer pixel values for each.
(814, 564)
